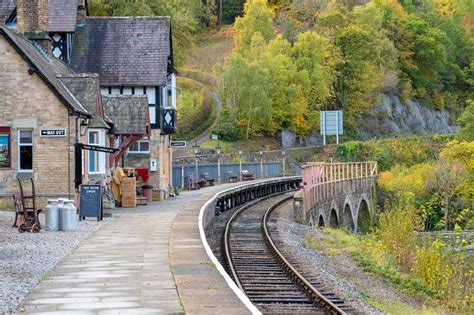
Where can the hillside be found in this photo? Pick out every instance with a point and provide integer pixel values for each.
(393, 67)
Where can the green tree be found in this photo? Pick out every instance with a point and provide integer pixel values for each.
(312, 54)
(466, 123)
(359, 75)
(258, 18)
(247, 92)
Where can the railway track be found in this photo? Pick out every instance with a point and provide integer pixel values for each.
(260, 270)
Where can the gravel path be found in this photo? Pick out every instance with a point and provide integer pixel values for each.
(25, 258)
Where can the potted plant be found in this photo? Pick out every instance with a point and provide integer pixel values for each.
(148, 192)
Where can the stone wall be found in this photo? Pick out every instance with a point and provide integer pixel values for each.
(289, 139)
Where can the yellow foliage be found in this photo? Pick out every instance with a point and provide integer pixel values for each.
(462, 152)
(405, 181)
(449, 274)
(397, 236)
(243, 122)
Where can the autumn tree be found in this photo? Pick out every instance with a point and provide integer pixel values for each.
(258, 18)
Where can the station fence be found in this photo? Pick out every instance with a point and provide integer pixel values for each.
(181, 172)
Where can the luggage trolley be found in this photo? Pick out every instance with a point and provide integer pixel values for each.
(28, 220)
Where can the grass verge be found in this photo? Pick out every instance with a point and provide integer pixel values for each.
(363, 250)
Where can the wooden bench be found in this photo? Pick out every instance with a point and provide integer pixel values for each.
(246, 175)
(231, 177)
(208, 180)
(141, 201)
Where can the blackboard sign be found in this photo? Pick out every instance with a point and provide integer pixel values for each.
(90, 202)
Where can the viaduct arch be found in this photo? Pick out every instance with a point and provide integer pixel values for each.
(337, 195)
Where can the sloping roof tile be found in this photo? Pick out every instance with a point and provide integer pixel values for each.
(47, 68)
(6, 8)
(127, 51)
(62, 15)
(84, 88)
(129, 113)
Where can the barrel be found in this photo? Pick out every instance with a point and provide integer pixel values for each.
(68, 216)
(52, 215)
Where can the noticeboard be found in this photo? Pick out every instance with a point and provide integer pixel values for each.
(90, 204)
(331, 123)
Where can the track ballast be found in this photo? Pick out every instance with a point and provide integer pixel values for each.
(261, 271)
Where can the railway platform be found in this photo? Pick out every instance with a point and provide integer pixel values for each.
(147, 260)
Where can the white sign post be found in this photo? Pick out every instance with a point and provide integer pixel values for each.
(331, 124)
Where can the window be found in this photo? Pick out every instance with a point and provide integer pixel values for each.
(169, 96)
(25, 150)
(4, 147)
(96, 159)
(140, 147)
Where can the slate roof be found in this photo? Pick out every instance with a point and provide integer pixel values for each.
(62, 15)
(85, 87)
(125, 51)
(6, 8)
(129, 113)
(48, 68)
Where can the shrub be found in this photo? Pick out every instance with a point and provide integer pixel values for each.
(449, 273)
(227, 127)
(350, 151)
(397, 235)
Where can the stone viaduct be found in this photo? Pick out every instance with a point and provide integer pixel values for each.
(337, 195)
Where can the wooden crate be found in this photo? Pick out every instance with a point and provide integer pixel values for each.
(129, 200)
(128, 185)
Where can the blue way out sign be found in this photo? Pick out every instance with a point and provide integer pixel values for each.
(331, 124)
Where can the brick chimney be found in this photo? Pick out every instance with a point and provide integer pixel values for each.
(81, 10)
(32, 21)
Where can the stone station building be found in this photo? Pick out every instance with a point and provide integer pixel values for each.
(81, 90)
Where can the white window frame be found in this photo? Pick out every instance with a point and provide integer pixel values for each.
(101, 155)
(25, 145)
(140, 151)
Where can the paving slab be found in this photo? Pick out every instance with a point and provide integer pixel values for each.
(147, 260)
(201, 287)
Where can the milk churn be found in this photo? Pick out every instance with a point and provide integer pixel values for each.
(52, 215)
(68, 216)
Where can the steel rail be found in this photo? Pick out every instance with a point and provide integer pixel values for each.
(311, 291)
(228, 252)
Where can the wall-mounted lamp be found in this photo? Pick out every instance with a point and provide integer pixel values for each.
(83, 126)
